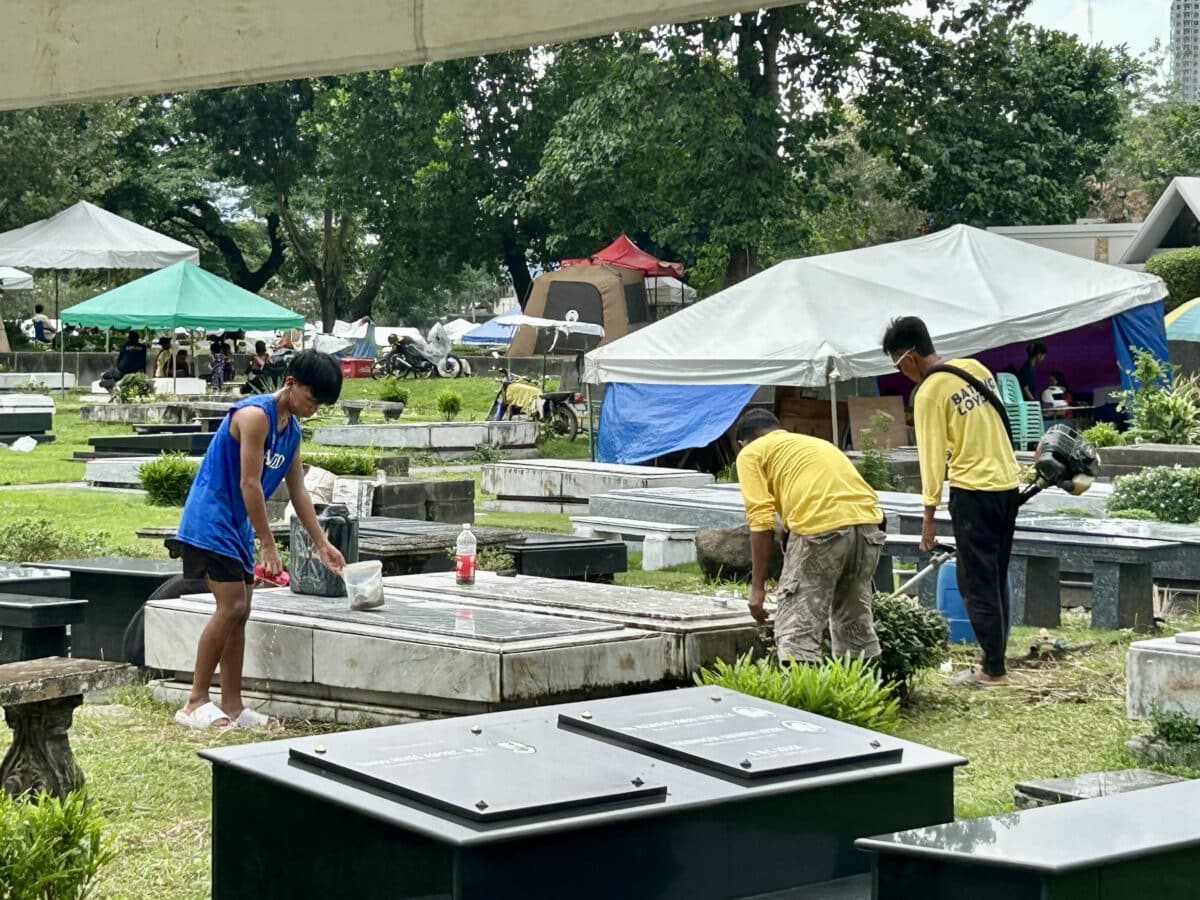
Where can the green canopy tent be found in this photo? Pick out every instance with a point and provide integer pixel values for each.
(181, 296)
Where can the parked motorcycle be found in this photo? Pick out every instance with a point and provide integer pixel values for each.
(521, 396)
(408, 357)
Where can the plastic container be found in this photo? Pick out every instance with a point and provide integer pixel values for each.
(364, 583)
(309, 575)
(465, 555)
(950, 604)
(356, 366)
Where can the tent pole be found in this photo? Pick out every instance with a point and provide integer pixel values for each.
(62, 343)
(833, 413)
(587, 388)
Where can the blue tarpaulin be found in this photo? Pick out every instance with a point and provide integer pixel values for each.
(490, 332)
(641, 421)
(1142, 326)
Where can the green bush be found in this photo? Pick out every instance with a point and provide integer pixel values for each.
(492, 559)
(449, 404)
(873, 466)
(38, 540)
(1170, 494)
(489, 452)
(1162, 410)
(343, 462)
(50, 849)
(133, 387)
(1180, 269)
(168, 479)
(1103, 434)
(911, 638)
(1174, 727)
(1141, 515)
(848, 690)
(392, 391)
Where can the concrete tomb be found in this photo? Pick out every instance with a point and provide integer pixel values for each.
(1163, 672)
(636, 796)
(564, 485)
(446, 438)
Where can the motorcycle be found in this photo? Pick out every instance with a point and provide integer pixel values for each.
(521, 396)
(407, 357)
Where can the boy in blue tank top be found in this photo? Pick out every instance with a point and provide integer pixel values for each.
(255, 449)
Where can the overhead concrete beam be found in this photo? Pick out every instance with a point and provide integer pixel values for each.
(57, 51)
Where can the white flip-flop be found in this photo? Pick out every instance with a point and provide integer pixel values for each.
(251, 718)
(202, 717)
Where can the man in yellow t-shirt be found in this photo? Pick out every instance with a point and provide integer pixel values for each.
(833, 517)
(960, 435)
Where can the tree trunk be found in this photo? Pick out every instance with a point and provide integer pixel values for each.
(743, 262)
(201, 216)
(518, 269)
(363, 301)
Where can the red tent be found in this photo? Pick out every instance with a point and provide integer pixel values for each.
(624, 252)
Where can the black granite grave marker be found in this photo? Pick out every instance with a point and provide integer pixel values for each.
(730, 734)
(487, 774)
(30, 579)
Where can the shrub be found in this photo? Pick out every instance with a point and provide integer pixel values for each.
(1174, 727)
(132, 388)
(1103, 434)
(50, 849)
(449, 404)
(848, 690)
(488, 452)
(873, 466)
(491, 559)
(37, 540)
(393, 391)
(343, 462)
(1142, 515)
(1161, 411)
(168, 479)
(911, 638)
(1170, 494)
(1180, 269)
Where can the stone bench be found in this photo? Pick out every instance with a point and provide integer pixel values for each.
(1119, 846)
(32, 627)
(1122, 590)
(662, 544)
(39, 699)
(354, 409)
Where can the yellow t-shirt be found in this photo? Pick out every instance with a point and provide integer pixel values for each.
(959, 434)
(809, 482)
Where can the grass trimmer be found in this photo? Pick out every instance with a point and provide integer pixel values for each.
(1063, 459)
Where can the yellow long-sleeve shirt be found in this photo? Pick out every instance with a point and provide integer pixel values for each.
(807, 481)
(960, 435)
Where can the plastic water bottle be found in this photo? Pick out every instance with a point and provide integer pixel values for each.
(464, 557)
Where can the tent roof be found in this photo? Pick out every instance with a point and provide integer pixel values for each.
(1181, 194)
(15, 280)
(84, 236)
(1183, 322)
(624, 252)
(490, 332)
(181, 295)
(807, 321)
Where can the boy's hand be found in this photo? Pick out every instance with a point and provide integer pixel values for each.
(332, 557)
(271, 563)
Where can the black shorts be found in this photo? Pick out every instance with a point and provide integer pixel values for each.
(201, 563)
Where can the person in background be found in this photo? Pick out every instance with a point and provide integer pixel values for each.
(259, 359)
(1035, 353)
(132, 357)
(227, 352)
(183, 368)
(1054, 396)
(833, 519)
(216, 348)
(163, 366)
(960, 433)
(43, 325)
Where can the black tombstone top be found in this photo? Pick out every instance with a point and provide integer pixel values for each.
(688, 787)
(15, 572)
(1055, 839)
(25, 611)
(119, 565)
(485, 772)
(727, 733)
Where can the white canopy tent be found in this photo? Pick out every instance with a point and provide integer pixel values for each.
(812, 322)
(85, 236)
(667, 290)
(15, 280)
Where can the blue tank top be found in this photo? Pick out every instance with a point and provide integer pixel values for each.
(214, 515)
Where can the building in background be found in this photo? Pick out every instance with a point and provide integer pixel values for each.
(1185, 49)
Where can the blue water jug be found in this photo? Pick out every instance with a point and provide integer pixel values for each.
(950, 604)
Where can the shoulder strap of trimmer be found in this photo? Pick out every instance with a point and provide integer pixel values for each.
(983, 389)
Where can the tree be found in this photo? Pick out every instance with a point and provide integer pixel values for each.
(1005, 125)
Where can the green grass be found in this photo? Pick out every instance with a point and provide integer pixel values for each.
(82, 511)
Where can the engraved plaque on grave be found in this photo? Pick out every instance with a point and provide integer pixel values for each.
(720, 731)
(487, 772)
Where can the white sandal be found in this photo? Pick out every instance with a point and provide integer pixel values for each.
(203, 717)
(251, 718)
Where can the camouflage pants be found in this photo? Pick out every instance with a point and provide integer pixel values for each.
(827, 580)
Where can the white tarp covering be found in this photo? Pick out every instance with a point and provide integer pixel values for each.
(15, 280)
(84, 236)
(805, 322)
(566, 327)
(456, 328)
(667, 290)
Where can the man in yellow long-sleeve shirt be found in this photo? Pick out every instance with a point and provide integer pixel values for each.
(833, 517)
(961, 435)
